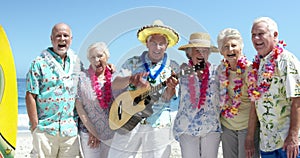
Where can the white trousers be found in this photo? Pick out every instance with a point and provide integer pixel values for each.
(154, 143)
(200, 147)
(88, 152)
(49, 146)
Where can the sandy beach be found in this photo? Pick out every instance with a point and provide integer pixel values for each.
(24, 146)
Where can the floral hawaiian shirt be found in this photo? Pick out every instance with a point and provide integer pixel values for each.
(55, 88)
(193, 121)
(162, 110)
(273, 108)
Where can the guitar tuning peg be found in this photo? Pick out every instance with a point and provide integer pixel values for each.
(183, 66)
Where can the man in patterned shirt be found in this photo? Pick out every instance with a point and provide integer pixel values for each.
(152, 133)
(50, 97)
(277, 95)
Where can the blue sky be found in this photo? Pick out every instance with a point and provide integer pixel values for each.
(28, 23)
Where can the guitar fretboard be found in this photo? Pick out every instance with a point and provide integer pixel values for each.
(156, 88)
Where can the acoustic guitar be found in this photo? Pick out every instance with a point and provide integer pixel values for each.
(130, 107)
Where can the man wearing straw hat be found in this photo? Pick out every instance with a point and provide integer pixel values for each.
(152, 67)
(197, 125)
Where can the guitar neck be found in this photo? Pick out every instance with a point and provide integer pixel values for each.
(163, 84)
(156, 88)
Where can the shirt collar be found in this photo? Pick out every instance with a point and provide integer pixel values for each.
(56, 56)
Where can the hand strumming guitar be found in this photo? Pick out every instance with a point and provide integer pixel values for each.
(137, 80)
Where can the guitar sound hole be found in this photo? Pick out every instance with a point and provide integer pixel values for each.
(137, 100)
(147, 100)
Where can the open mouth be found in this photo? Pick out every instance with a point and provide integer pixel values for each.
(231, 55)
(62, 46)
(98, 66)
(259, 44)
(200, 59)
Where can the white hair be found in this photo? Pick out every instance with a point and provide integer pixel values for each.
(101, 46)
(271, 24)
(229, 33)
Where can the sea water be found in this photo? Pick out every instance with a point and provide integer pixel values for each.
(23, 120)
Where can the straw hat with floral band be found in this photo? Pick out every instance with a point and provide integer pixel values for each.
(199, 39)
(158, 28)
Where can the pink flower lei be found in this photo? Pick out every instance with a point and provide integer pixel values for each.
(254, 90)
(231, 109)
(203, 87)
(104, 98)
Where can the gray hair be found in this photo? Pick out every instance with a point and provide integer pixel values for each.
(101, 46)
(229, 33)
(188, 52)
(271, 24)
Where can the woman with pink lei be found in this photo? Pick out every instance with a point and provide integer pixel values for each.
(93, 103)
(197, 125)
(237, 141)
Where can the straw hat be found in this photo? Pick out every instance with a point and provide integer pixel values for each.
(199, 39)
(158, 28)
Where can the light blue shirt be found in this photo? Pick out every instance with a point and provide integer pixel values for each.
(55, 88)
(162, 110)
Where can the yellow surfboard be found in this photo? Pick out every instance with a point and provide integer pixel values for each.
(8, 99)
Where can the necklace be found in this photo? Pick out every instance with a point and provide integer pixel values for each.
(151, 78)
(203, 87)
(227, 110)
(103, 98)
(255, 90)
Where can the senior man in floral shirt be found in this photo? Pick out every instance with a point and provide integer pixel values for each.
(276, 92)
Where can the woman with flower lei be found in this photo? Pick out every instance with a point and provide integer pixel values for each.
(197, 125)
(235, 103)
(93, 102)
